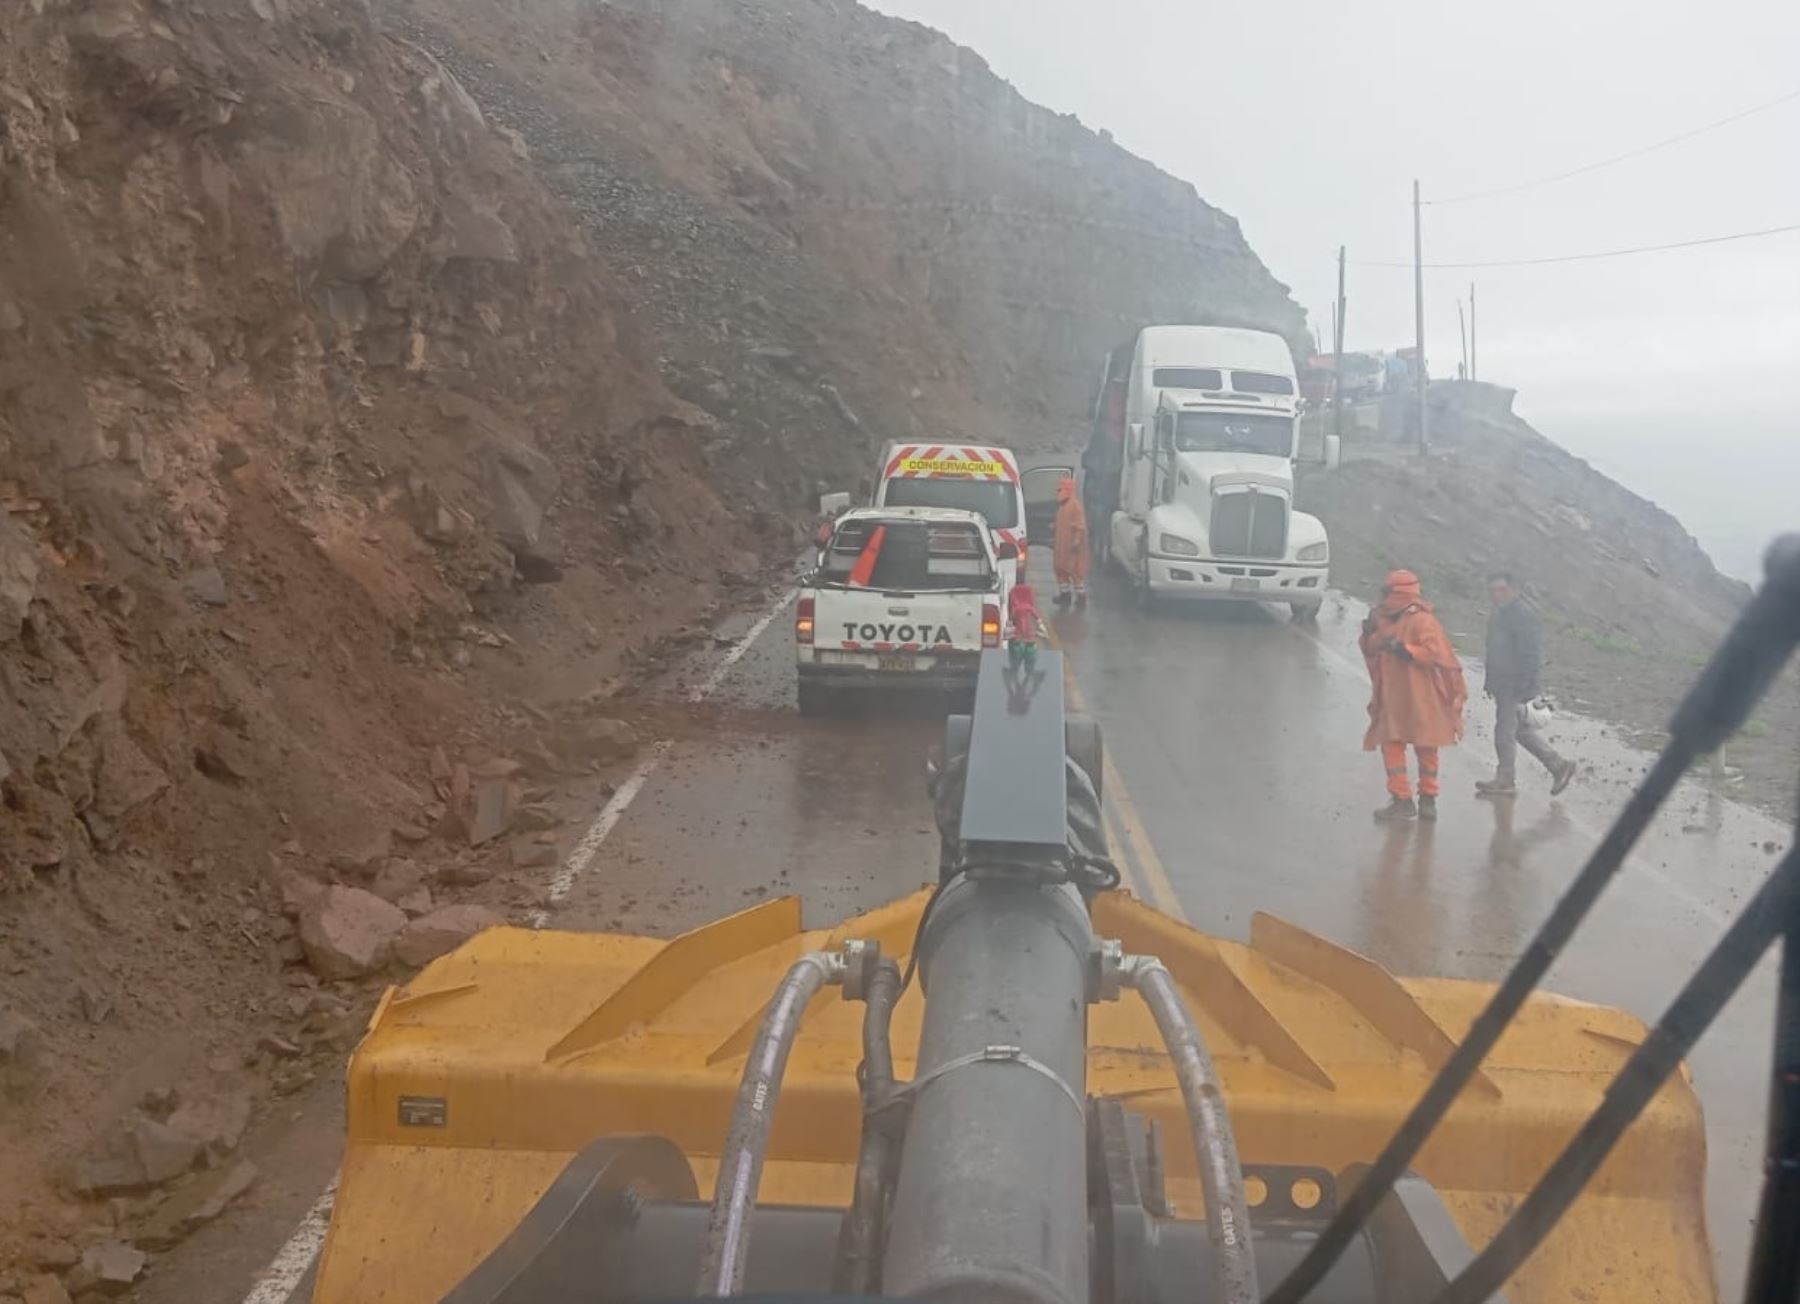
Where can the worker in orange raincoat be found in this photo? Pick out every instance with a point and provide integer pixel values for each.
(1071, 539)
(1419, 693)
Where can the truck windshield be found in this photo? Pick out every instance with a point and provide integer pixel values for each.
(1260, 382)
(909, 555)
(996, 500)
(1234, 432)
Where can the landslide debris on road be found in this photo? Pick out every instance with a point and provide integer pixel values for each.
(1632, 607)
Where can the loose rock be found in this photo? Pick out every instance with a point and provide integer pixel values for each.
(214, 1118)
(441, 931)
(195, 1205)
(45, 1290)
(397, 879)
(348, 932)
(134, 1155)
(612, 740)
(207, 585)
(416, 902)
(21, 1046)
(493, 811)
(107, 1269)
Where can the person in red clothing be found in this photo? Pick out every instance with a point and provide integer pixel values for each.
(1418, 696)
(1024, 625)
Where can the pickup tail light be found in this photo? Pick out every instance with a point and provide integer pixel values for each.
(990, 625)
(803, 621)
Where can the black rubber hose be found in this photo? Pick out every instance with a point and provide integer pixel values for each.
(856, 1271)
(1713, 984)
(1734, 680)
(1775, 1256)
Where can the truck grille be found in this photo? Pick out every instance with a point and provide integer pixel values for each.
(1249, 524)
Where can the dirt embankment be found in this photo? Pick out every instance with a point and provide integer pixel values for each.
(1632, 607)
(323, 456)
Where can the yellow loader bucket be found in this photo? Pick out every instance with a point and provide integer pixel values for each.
(481, 1079)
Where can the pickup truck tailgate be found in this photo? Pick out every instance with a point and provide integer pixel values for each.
(866, 620)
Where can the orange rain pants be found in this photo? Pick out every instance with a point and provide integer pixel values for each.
(1393, 755)
(1071, 540)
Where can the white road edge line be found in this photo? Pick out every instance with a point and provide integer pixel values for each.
(710, 684)
(276, 1283)
(610, 814)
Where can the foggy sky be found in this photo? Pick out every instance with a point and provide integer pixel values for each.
(1308, 123)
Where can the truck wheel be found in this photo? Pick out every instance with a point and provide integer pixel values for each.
(1082, 741)
(815, 699)
(1145, 595)
(1307, 613)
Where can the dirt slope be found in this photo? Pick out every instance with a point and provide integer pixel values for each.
(308, 392)
(822, 213)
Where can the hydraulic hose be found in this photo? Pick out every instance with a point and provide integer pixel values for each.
(1221, 1177)
(1740, 672)
(1775, 1258)
(747, 1138)
(859, 1244)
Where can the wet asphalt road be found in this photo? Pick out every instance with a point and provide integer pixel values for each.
(1239, 785)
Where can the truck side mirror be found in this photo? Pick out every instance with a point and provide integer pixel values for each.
(832, 504)
(1334, 452)
(1137, 440)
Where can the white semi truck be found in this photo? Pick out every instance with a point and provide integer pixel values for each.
(1190, 469)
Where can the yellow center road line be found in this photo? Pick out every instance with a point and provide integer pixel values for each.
(1124, 827)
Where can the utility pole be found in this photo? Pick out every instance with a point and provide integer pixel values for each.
(1419, 317)
(1337, 349)
(1473, 356)
(1462, 327)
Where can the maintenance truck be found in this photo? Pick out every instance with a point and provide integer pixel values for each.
(1080, 1100)
(902, 597)
(985, 478)
(1190, 470)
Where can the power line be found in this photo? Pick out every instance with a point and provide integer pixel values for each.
(1619, 158)
(1608, 253)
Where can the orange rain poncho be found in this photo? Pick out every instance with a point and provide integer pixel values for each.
(1419, 690)
(1071, 537)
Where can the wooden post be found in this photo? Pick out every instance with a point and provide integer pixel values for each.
(1337, 348)
(1474, 358)
(1419, 317)
(1463, 327)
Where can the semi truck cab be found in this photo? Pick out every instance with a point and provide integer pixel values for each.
(1205, 503)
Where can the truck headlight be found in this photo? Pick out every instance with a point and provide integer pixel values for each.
(1314, 552)
(1176, 546)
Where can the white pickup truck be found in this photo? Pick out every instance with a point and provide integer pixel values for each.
(903, 597)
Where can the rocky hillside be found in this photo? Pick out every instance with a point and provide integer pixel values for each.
(841, 228)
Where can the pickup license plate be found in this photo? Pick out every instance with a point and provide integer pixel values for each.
(899, 664)
(1239, 585)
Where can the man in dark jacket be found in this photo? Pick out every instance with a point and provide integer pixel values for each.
(1514, 659)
